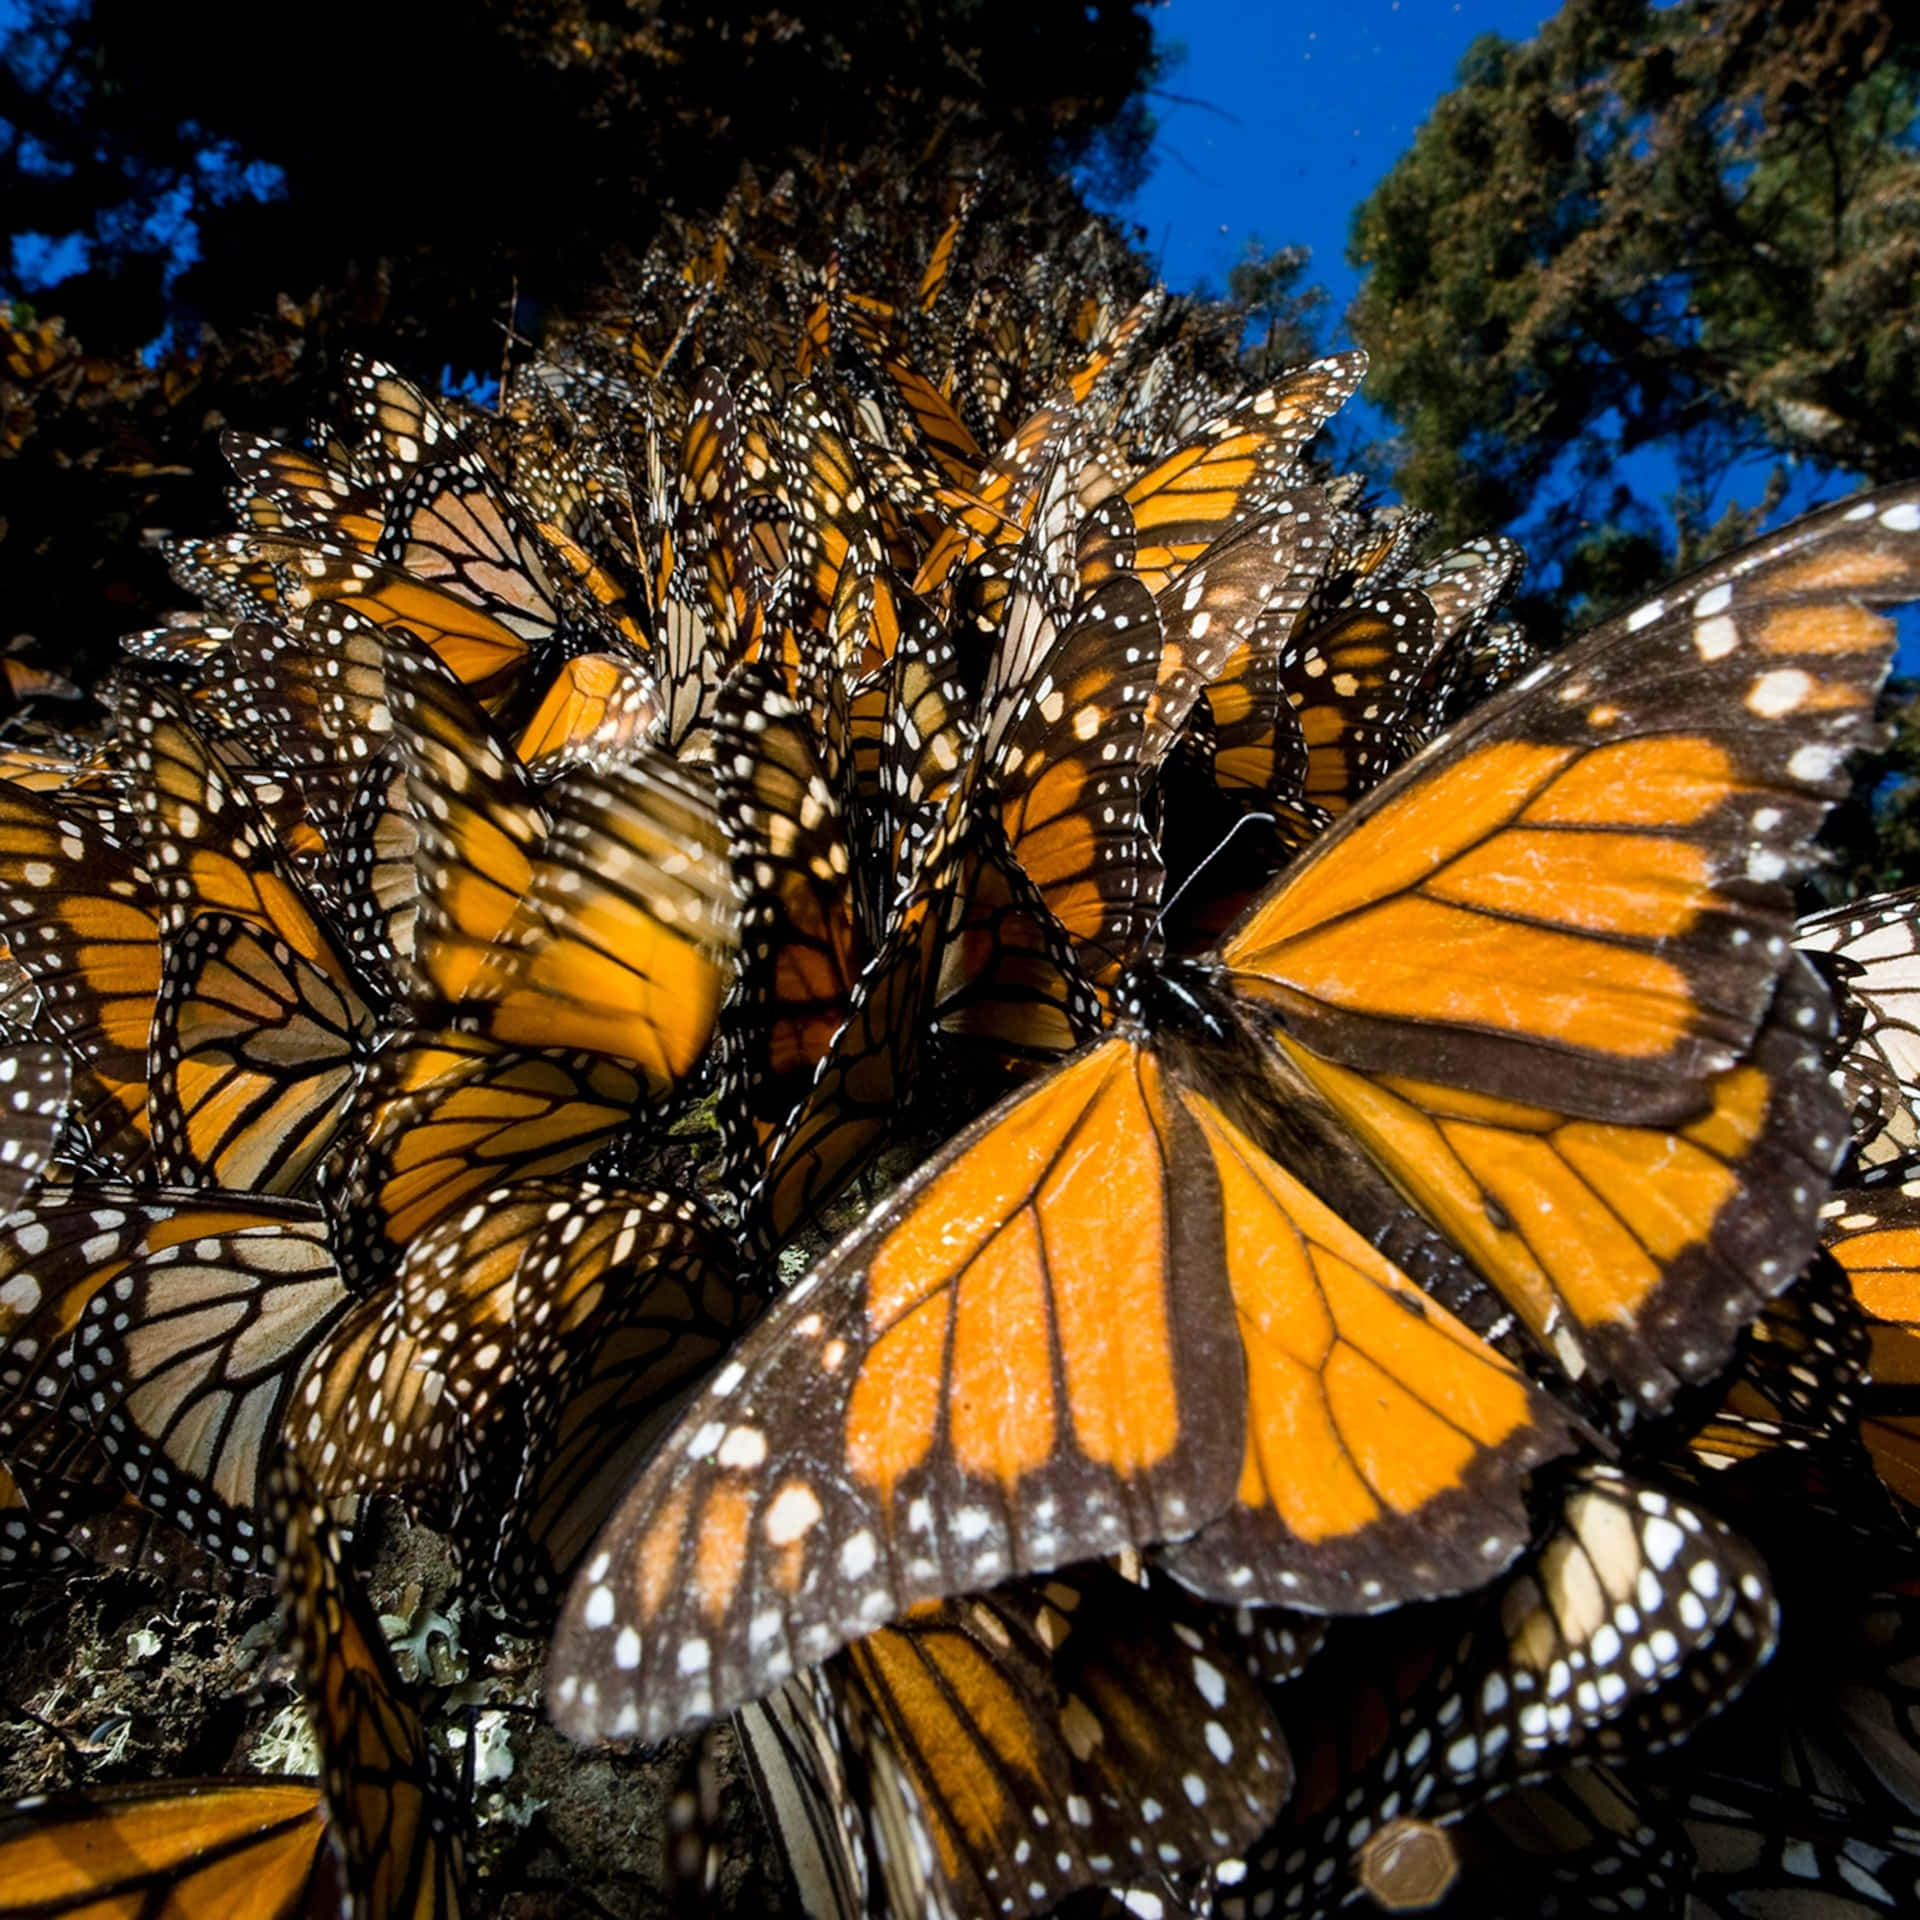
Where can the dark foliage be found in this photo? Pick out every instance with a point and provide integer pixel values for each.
(1689, 227)
(420, 175)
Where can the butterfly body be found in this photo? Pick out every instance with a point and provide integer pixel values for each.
(1532, 996)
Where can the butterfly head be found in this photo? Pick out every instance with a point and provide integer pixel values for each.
(1168, 996)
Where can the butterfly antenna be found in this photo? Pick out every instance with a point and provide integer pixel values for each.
(1154, 939)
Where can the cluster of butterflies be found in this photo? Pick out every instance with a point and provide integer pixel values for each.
(1275, 1455)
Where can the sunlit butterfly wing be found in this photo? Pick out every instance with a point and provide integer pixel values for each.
(1592, 874)
(59, 1252)
(1067, 773)
(480, 821)
(619, 947)
(454, 525)
(1463, 586)
(483, 653)
(443, 1116)
(290, 490)
(1322, 716)
(1086, 1218)
(171, 1850)
(208, 850)
(376, 880)
(598, 708)
(391, 1815)
(1182, 505)
(1237, 594)
(255, 1054)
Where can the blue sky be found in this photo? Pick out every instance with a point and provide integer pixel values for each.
(1281, 119)
(1298, 112)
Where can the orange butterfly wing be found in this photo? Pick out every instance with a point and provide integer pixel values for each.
(1539, 973)
(1059, 1339)
(1876, 1238)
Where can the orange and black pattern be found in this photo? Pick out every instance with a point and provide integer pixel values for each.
(873, 991)
(391, 1816)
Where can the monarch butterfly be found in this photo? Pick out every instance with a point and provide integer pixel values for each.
(1871, 950)
(310, 696)
(1795, 1386)
(1463, 586)
(1875, 1236)
(264, 577)
(36, 1089)
(1536, 984)
(81, 920)
(452, 523)
(208, 850)
(523, 1356)
(1323, 716)
(1231, 468)
(376, 880)
(934, 424)
(391, 1816)
(1000, 505)
(289, 490)
(1063, 879)
(187, 1367)
(598, 925)
(596, 709)
(835, 528)
(255, 1054)
(61, 1501)
(1635, 1618)
(713, 498)
(67, 1253)
(710, 599)
(172, 1849)
(800, 940)
(871, 1063)
(441, 1116)
(992, 1755)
